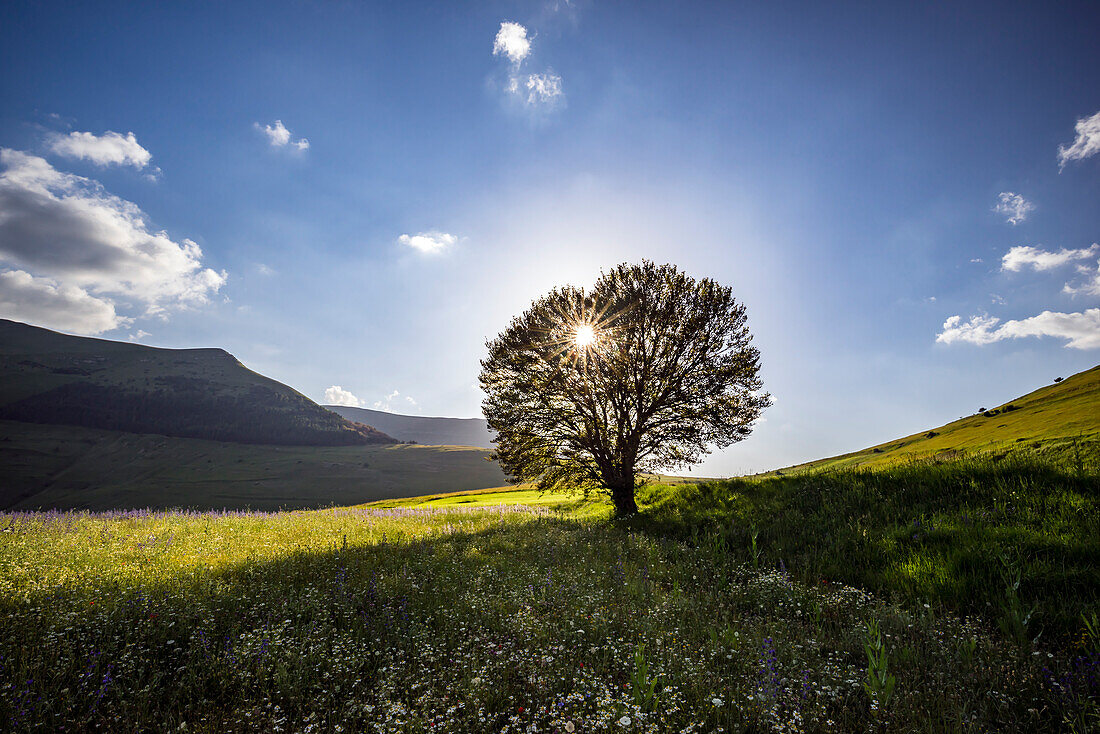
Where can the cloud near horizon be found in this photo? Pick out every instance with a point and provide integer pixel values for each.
(1081, 330)
(70, 251)
(279, 137)
(337, 395)
(103, 150)
(432, 242)
(1013, 206)
(386, 403)
(1085, 145)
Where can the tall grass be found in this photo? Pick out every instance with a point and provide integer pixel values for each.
(490, 619)
(1005, 539)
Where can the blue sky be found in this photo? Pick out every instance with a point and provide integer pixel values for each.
(360, 194)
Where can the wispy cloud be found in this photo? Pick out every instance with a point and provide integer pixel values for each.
(1081, 330)
(279, 136)
(337, 395)
(543, 89)
(388, 403)
(103, 150)
(1091, 284)
(540, 91)
(431, 243)
(68, 241)
(512, 41)
(1085, 145)
(1024, 255)
(1014, 207)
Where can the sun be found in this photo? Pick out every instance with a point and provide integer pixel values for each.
(585, 336)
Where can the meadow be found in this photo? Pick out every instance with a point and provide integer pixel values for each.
(747, 605)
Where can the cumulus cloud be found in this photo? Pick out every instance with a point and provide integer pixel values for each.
(68, 234)
(1085, 145)
(44, 302)
(279, 136)
(103, 150)
(387, 403)
(1023, 255)
(1081, 330)
(512, 41)
(428, 242)
(337, 395)
(1013, 206)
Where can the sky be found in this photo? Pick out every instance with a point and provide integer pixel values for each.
(352, 197)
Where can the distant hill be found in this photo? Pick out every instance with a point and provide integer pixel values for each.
(429, 431)
(68, 467)
(52, 378)
(1060, 421)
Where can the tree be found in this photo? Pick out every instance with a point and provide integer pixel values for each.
(646, 370)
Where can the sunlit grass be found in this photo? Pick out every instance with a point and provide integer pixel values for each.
(511, 611)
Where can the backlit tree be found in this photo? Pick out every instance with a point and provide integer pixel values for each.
(647, 370)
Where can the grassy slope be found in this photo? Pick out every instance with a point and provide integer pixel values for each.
(185, 392)
(66, 467)
(1047, 421)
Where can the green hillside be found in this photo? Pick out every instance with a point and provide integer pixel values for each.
(69, 467)
(1059, 422)
(46, 377)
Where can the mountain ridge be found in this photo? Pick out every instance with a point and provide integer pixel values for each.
(206, 393)
(430, 430)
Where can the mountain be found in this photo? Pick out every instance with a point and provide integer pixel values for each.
(52, 378)
(428, 431)
(1059, 421)
(46, 467)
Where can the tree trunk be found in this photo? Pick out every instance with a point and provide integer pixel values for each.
(623, 498)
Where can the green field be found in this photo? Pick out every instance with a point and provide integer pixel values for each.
(66, 467)
(1058, 422)
(750, 605)
(956, 592)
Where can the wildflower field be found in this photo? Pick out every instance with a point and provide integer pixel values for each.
(718, 609)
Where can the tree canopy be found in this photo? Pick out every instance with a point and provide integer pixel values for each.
(647, 370)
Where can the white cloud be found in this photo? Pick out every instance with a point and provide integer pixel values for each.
(1013, 206)
(387, 402)
(68, 231)
(141, 334)
(1019, 257)
(1091, 286)
(1085, 145)
(337, 395)
(429, 242)
(279, 136)
(265, 270)
(111, 147)
(44, 302)
(512, 41)
(543, 89)
(1081, 330)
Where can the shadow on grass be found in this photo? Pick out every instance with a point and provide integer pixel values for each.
(961, 534)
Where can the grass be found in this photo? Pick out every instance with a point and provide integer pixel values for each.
(68, 467)
(1059, 422)
(457, 614)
